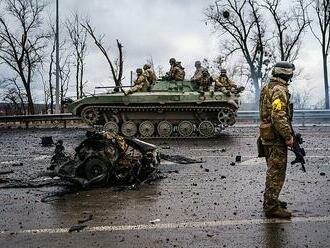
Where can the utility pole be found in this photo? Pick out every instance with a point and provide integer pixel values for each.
(57, 105)
(131, 81)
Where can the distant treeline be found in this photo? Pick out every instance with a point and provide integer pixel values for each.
(10, 109)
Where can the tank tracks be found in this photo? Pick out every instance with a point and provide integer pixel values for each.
(113, 118)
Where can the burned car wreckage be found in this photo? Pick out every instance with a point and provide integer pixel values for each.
(107, 159)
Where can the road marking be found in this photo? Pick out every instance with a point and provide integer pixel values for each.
(175, 225)
(219, 150)
(166, 162)
(252, 157)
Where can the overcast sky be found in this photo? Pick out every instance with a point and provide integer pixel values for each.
(157, 28)
(164, 29)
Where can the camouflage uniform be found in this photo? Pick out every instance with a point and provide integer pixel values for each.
(140, 84)
(275, 129)
(176, 72)
(149, 73)
(224, 84)
(204, 81)
(198, 73)
(118, 140)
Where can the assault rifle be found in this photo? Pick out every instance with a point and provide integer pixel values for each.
(298, 151)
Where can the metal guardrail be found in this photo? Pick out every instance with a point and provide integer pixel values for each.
(27, 119)
(299, 115)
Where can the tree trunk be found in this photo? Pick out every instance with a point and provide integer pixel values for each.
(255, 82)
(77, 78)
(256, 91)
(81, 78)
(62, 96)
(326, 81)
(30, 101)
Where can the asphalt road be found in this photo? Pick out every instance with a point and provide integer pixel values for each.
(212, 204)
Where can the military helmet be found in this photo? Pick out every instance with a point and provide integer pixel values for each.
(172, 61)
(198, 63)
(284, 70)
(146, 66)
(223, 71)
(139, 71)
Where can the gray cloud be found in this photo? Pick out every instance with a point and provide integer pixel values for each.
(161, 29)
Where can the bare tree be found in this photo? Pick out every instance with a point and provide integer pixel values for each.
(22, 44)
(65, 63)
(301, 99)
(46, 91)
(259, 39)
(13, 94)
(49, 91)
(240, 21)
(116, 67)
(290, 26)
(65, 72)
(322, 10)
(160, 71)
(78, 39)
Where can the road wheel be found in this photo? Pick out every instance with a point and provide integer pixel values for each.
(111, 127)
(90, 115)
(129, 129)
(206, 129)
(226, 117)
(146, 129)
(185, 128)
(165, 129)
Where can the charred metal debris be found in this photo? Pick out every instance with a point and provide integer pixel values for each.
(107, 159)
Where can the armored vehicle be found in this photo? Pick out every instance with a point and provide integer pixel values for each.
(169, 109)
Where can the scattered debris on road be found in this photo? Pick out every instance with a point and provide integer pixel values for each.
(47, 141)
(6, 172)
(3, 180)
(17, 164)
(107, 159)
(77, 228)
(154, 221)
(89, 218)
(181, 159)
(238, 159)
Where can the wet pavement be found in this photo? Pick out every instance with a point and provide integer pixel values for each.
(213, 204)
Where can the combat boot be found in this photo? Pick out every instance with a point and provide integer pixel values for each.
(227, 93)
(277, 212)
(282, 204)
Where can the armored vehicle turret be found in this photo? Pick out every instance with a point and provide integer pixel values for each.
(169, 109)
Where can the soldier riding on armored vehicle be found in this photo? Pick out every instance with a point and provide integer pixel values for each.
(170, 107)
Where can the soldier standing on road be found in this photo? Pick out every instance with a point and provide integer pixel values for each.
(276, 135)
(140, 84)
(176, 71)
